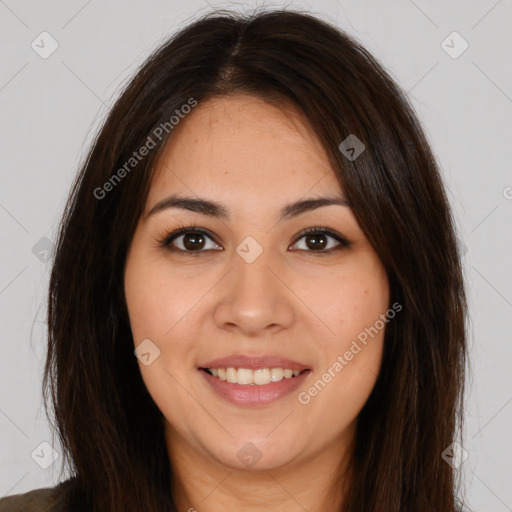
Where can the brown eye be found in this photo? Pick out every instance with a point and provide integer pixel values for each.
(321, 240)
(317, 241)
(193, 241)
(190, 240)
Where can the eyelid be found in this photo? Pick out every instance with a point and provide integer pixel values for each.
(166, 239)
(343, 242)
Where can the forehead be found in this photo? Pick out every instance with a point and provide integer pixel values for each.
(242, 146)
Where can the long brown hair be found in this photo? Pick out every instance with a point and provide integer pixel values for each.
(109, 427)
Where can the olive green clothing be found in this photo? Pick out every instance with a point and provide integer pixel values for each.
(50, 499)
(46, 499)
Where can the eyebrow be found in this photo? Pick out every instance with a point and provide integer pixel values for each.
(214, 209)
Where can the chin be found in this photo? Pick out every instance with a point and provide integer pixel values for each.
(258, 453)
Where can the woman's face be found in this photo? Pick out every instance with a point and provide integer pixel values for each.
(250, 297)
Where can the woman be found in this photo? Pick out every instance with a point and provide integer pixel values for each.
(256, 301)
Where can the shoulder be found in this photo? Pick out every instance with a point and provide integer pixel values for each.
(47, 499)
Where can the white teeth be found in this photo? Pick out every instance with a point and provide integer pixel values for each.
(231, 375)
(259, 377)
(276, 374)
(244, 376)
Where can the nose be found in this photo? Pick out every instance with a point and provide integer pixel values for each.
(256, 298)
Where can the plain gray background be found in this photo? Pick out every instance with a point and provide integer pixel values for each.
(52, 106)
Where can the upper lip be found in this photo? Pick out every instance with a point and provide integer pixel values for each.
(254, 362)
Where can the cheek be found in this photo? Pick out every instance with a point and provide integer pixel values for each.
(350, 302)
(156, 314)
(146, 301)
(157, 298)
(351, 358)
(351, 305)
(161, 306)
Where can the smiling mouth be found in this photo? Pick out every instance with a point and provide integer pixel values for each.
(249, 377)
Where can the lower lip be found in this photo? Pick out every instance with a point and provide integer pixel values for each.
(254, 394)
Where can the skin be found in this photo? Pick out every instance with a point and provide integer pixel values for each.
(291, 301)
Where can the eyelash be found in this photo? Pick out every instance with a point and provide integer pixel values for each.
(166, 240)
